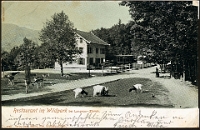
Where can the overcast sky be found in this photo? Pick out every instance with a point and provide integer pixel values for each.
(86, 15)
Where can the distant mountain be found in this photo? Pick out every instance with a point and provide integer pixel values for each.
(13, 35)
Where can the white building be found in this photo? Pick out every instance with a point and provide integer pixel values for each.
(93, 52)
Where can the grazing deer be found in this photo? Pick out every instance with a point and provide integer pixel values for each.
(38, 81)
(11, 77)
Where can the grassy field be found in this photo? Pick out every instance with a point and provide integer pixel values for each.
(19, 87)
(118, 96)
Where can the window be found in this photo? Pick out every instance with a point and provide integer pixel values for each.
(102, 51)
(97, 50)
(91, 61)
(81, 40)
(81, 61)
(81, 49)
(89, 49)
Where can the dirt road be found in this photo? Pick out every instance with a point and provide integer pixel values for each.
(182, 94)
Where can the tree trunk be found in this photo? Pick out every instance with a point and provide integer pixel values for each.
(188, 74)
(186, 71)
(3, 72)
(27, 76)
(161, 67)
(61, 68)
(164, 68)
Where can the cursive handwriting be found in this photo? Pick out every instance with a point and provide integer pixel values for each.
(127, 119)
(130, 120)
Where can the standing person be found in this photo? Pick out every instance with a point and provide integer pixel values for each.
(157, 73)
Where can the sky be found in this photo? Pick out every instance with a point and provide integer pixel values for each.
(85, 15)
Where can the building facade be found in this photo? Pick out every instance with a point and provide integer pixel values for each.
(93, 52)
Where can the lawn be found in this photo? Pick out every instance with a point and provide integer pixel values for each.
(19, 87)
(118, 96)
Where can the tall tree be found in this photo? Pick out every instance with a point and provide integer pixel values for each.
(26, 58)
(59, 33)
(11, 57)
(168, 29)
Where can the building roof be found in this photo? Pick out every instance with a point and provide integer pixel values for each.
(89, 36)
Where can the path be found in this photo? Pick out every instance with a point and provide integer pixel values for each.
(180, 93)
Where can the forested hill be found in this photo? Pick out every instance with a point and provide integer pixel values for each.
(13, 35)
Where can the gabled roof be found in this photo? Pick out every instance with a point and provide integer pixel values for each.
(90, 37)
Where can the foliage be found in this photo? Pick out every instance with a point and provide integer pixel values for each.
(168, 29)
(119, 38)
(43, 58)
(8, 59)
(59, 34)
(4, 60)
(25, 56)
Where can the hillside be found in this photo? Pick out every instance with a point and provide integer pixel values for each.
(13, 35)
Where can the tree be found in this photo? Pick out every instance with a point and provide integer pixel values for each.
(43, 57)
(59, 33)
(168, 29)
(119, 38)
(8, 59)
(26, 58)
(4, 61)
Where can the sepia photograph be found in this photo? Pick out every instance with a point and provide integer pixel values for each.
(115, 64)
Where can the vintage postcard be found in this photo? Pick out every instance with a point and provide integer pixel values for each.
(113, 64)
